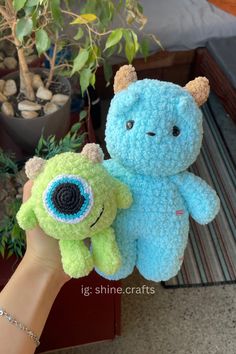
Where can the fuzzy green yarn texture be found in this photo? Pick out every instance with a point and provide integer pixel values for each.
(74, 198)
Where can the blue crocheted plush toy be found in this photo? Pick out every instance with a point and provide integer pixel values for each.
(153, 134)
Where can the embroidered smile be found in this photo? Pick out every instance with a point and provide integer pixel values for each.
(98, 218)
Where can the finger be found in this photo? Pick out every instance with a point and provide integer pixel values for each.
(27, 190)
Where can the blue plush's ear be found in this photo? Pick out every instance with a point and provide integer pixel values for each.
(199, 88)
(124, 100)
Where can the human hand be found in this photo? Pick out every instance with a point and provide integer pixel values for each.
(42, 249)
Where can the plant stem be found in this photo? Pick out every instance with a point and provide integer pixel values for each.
(25, 79)
(52, 63)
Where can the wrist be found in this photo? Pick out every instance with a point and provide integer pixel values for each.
(44, 268)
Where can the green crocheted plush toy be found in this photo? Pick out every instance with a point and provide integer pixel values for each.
(74, 198)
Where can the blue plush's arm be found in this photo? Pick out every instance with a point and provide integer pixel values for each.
(124, 197)
(202, 201)
(112, 167)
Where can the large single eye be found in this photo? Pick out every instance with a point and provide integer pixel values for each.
(129, 124)
(68, 198)
(175, 131)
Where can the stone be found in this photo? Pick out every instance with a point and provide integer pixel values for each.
(29, 51)
(8, 48)
(44, 94)
(29, 114)
(28, 106)
(37, 82)
(10, 88)
(2, 66)
(2, 56)
(7, 109)
(2, 97)
(50, 107)
(10, 63)
(31, 58)
(2, 84)
(60, 99)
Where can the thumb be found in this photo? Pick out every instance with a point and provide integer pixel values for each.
(27, 190)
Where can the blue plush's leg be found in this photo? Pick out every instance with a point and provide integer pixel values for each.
(158, 259)
(128, 250)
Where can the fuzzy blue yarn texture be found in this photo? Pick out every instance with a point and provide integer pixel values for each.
(153, 134)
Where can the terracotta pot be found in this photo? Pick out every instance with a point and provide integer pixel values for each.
(26, 132)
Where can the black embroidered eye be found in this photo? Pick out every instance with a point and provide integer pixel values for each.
(129, 124)
(68, 198)
(175, 131)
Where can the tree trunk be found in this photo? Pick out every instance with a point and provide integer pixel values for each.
(25, 77)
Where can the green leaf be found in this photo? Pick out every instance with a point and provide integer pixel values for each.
(85, 79)
(31, 3)
(114, 38)
(79, 34)
(56, 11)
(120, 47)
(144, 47)
(84, 18)
(135, 39)
(80, 60)
(92, 79)
(107, 69)
(130, 49)
(42, 41)
(18, 4)
(75, 128)
(140, 8)
(83, 114)
(24, 27)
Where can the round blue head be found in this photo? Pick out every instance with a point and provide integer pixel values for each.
(154, 128)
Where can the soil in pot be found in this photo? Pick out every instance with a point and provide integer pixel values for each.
(24, 120)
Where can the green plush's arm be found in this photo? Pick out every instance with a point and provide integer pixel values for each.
(26, 217)
(106, 254)
(76, 258)
(123, 195)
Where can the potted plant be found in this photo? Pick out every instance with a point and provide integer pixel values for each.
(38, 99)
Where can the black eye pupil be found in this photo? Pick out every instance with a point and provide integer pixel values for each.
(67, 198)
(129, 124)
(175, 131)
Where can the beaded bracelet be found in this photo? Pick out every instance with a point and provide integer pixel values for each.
(19, 325)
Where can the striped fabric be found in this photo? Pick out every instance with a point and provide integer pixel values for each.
(210, 257)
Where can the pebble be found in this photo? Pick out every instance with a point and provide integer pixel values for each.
(29, 114)
(2, 84)
(2, 97)
(7, 109)
(28, 106)
(59, 99)
(29, 51)
(8, 48)
(10, 88)
(2, 56)
(2, 66)
(44, 93)
(50, 107)
(31, 58)
(37, 82)
(10, 63)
